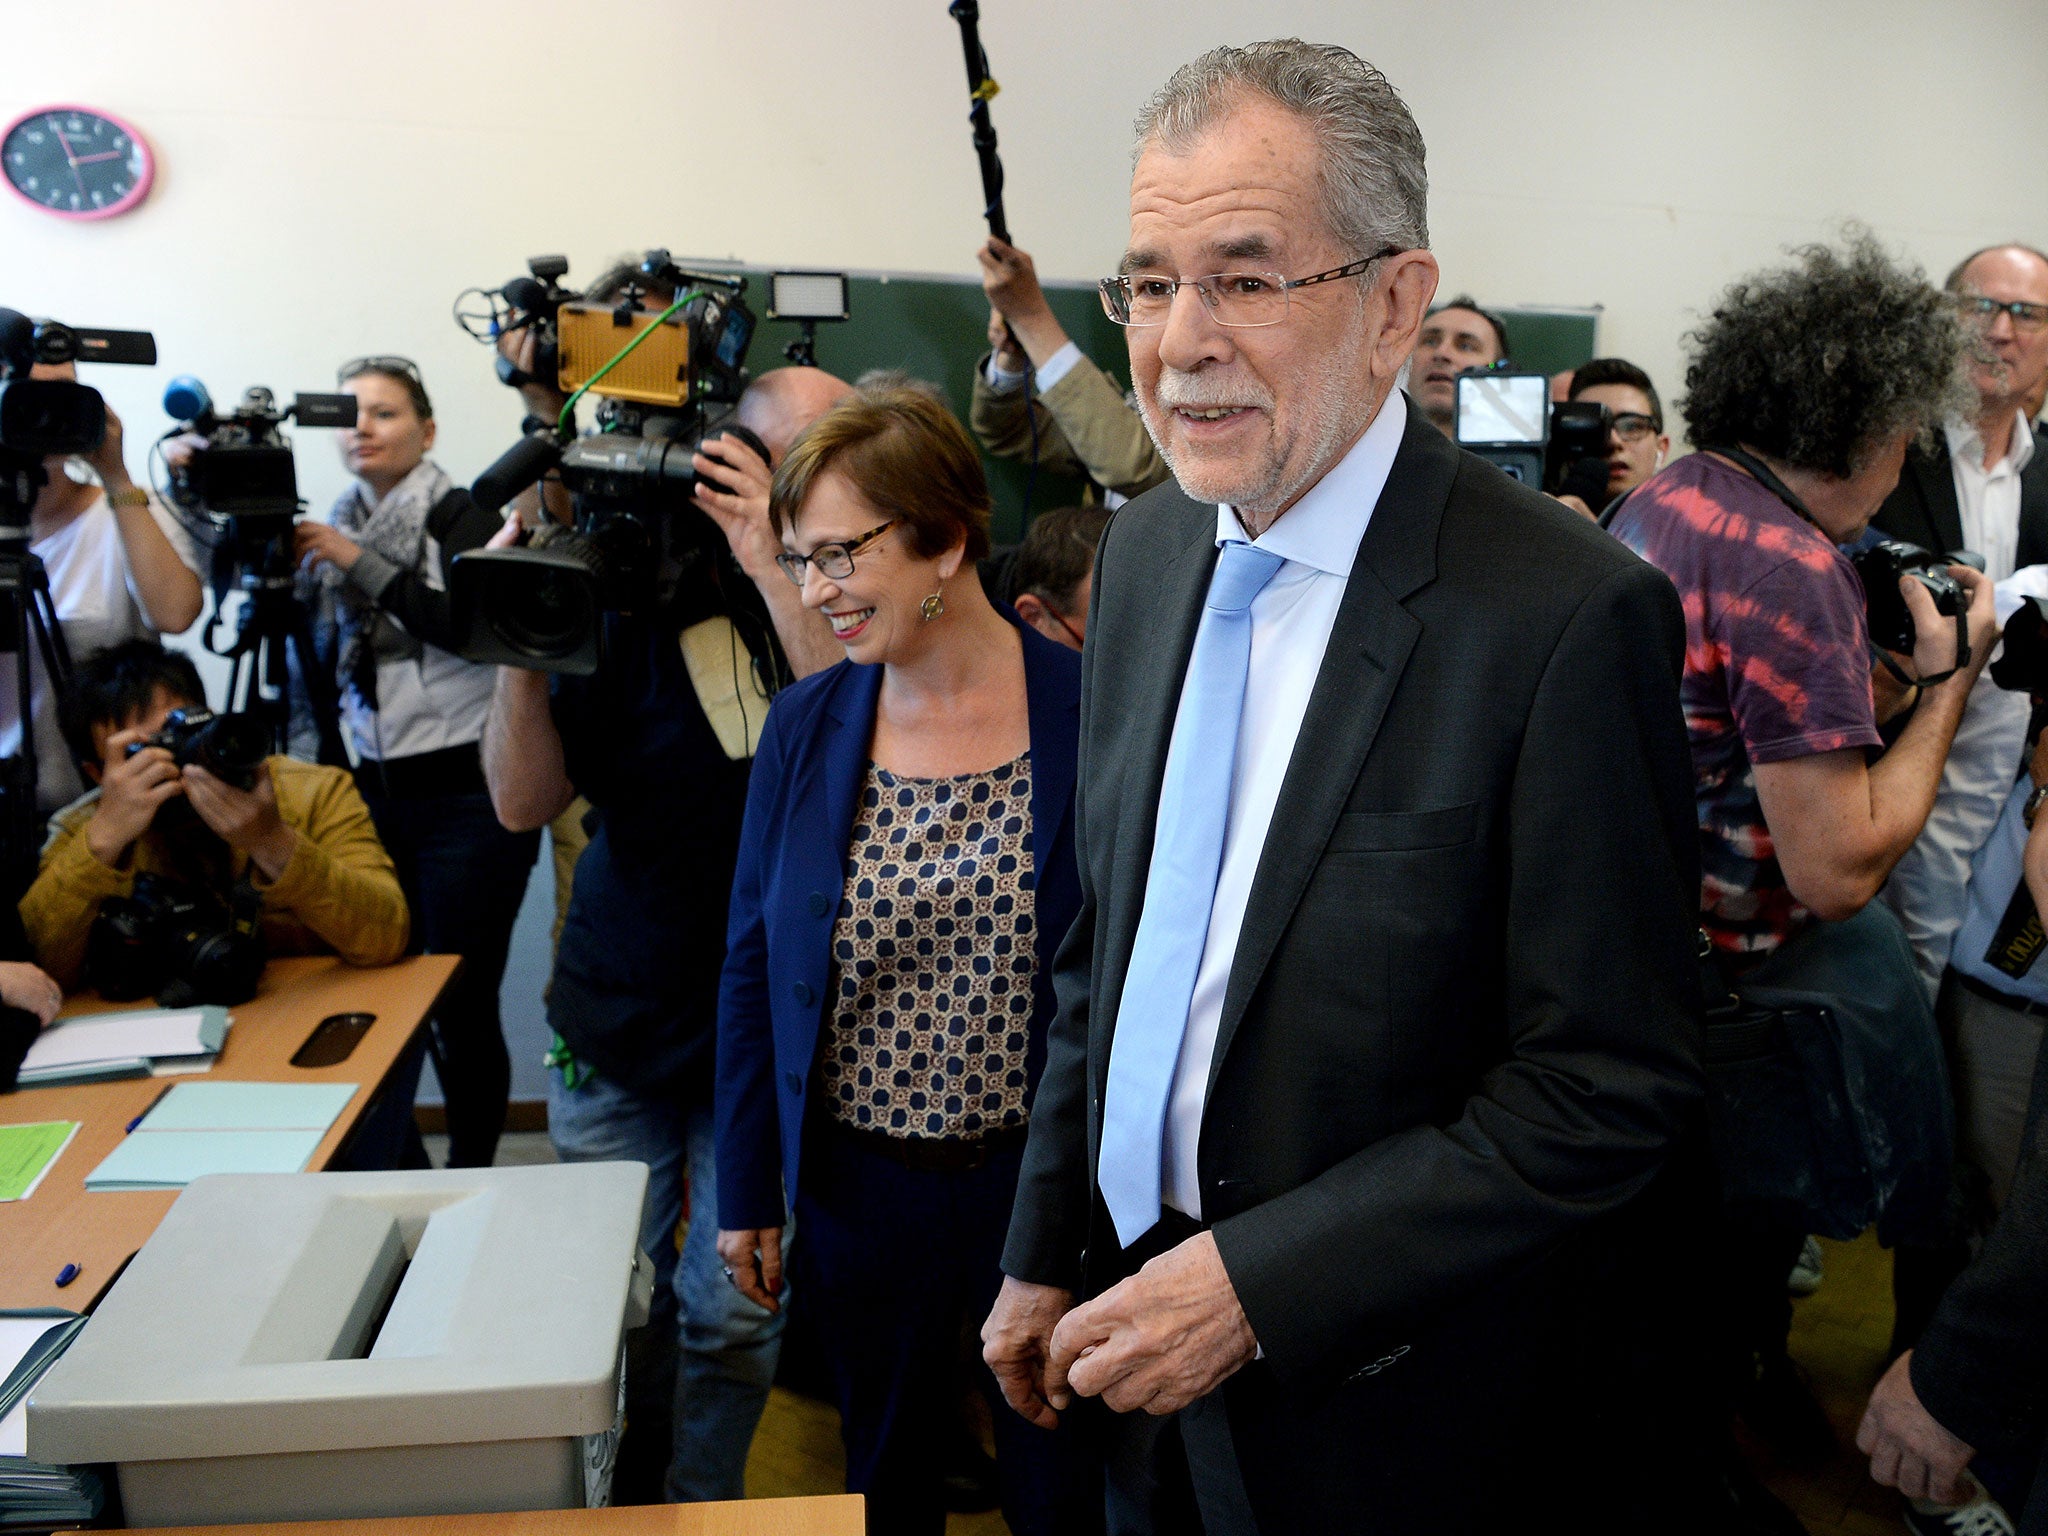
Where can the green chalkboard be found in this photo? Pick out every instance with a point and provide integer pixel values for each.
(936, 328)
(1551, 340)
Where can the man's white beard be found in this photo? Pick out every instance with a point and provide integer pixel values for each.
(1261, 489)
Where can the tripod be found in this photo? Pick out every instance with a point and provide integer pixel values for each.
(28, 617)
(275, 628)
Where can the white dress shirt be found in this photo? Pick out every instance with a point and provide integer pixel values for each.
(1318, 538)
(1929, 887)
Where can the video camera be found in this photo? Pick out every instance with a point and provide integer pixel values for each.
(669, 374)
(1559, 447)
(40, 418)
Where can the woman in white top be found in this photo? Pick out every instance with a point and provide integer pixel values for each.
(120, 568)
(415, 711)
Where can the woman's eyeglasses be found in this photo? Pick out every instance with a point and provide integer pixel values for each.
(833, 560)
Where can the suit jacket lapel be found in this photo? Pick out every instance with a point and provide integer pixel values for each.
(841, 769)
(1053, 699)
(1182, 584)
(1369, 647)
(1937, 482)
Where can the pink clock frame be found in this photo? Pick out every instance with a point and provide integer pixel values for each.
(135, 195)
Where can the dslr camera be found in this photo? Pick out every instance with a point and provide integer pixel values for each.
(230, 747)
(1891, 622)
(1559, 447)
(668, 375)
(180, 943)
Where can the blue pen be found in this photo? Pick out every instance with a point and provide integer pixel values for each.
(66, 1275)
(151, 1105)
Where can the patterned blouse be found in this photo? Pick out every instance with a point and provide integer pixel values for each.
(932, 957)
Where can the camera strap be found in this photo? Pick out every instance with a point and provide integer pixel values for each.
(1765, 477)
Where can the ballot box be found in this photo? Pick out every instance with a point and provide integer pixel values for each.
(325, 1345)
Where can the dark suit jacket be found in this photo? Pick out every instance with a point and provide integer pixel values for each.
(1923, 510)
(807, 775)
(1981, 1367)
(1459, 1025)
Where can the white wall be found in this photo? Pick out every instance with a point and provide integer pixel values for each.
(332, 175)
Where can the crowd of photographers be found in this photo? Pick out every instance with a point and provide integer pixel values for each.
(741, 988)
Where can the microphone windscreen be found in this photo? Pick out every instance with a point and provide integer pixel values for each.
(186, 399)
(519, 466)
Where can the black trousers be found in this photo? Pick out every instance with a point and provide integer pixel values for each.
(464, 877)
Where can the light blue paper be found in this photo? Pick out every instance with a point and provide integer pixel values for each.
(212, 1106)
(173, 1159)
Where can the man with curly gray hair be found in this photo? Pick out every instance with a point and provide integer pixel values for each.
(1806, 385)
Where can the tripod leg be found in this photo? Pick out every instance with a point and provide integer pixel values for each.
(320, 689)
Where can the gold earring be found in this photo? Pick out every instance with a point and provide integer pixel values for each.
(932, 606)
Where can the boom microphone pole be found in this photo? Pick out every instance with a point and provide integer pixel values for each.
(980, 87)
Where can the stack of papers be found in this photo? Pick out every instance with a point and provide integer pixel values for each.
(202, 1128)
(153, 1041)
(33, 1494)
(26, 1153)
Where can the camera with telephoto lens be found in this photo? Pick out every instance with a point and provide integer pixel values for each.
(668, 375)
(1891, 621)
(1557, 447)
(230, 747)
(179, 943)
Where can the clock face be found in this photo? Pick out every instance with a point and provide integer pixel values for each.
(75, 162)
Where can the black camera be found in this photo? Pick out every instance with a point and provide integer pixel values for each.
(246, 467)
(40, 418)
(1559, 447)
(1891, 622)
(230, 747)
(669, 375)
(2022, 666)
(182, 944)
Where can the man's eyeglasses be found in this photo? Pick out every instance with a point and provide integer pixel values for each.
(834, 560)
(1985, 312)
(1233, 298)
(357, 366)
(1632, 426)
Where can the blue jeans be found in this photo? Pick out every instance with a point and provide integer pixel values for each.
(716, 1347)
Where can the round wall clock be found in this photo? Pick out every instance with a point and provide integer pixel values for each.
(76, 162)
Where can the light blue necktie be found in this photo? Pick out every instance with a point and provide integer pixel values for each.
(1187, 853)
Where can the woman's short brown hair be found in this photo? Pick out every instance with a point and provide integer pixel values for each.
(905, 452)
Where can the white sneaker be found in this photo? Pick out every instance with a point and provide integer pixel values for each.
(1981, 1516)
(1805, 1277)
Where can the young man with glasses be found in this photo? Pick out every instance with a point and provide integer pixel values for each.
(1636, 439)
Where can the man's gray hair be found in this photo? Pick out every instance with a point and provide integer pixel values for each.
(1374, 183)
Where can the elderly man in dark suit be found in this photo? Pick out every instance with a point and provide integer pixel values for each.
(1378, 1011)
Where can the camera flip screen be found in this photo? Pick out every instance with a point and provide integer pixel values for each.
(1503, 408)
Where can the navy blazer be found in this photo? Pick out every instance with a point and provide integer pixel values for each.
(794, 846)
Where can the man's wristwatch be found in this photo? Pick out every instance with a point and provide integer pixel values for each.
(2034, 803)
(134, 496)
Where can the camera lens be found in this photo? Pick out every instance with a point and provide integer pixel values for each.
(543, 612)
(233, 747)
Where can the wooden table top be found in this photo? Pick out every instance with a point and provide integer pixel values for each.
(61, 1224)
(831, 1515)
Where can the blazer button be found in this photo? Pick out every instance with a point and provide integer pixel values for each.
(819, 905)
(793, 1082)
(803, 993)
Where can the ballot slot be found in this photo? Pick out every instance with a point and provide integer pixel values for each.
(375, 1279)
(333, 1040)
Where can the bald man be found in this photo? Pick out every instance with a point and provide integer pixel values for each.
(776, 408)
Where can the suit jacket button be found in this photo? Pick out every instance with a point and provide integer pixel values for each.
(803, 993)
(793, 1081)
(819, 905)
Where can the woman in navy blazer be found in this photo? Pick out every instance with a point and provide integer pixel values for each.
(906, 873)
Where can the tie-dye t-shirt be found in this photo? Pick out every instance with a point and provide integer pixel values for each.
(1777, 666)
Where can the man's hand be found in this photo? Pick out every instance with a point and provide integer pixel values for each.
(1908, 1448)
(1010, 280)
(315, 542)
(1934, 649)
(1016, 1341)
(131, 788)
(1003, 346)
(1158, 1340)
(542, 398)
(741, 511)
(752, 1257)
(29, 988)
(246, 818)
